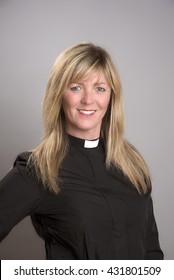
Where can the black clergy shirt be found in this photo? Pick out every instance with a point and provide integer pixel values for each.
(98, 214)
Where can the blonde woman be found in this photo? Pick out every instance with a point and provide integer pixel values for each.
(87, 189)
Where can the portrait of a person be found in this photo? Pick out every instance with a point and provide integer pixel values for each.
(85, 186)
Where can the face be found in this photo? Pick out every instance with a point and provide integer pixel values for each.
(85, 103)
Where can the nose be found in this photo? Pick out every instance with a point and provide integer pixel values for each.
(87, 97)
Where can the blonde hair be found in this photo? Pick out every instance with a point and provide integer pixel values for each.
(72, 65)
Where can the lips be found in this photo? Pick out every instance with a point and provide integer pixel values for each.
(86, 112)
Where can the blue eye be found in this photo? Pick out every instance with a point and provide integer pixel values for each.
(76, 88)
(100, 89)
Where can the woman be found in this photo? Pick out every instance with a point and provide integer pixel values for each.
(87, 189)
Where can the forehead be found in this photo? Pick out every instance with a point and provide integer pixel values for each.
(94, 77)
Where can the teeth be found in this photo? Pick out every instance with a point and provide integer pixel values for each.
(87, 112)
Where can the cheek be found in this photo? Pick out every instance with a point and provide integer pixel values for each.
(105, 103)
(69, 101)
(106, 106)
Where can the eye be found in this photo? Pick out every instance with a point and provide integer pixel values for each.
(100, 89)
(75, 88)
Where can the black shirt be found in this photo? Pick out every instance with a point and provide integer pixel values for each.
(98, 214)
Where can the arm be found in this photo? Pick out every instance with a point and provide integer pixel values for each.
(153, 250)
(19, 196)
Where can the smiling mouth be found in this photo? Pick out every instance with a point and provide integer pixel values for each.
(86, 112)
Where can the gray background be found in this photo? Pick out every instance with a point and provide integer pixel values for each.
(140, 37)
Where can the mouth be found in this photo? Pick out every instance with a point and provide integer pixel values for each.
(86, 112)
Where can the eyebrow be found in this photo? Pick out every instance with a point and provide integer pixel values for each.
(96, 84)
(101, 83)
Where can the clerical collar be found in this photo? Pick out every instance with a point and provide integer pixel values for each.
(91, 143)
(83, 142)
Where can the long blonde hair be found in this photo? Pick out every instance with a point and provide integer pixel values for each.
(72, 65)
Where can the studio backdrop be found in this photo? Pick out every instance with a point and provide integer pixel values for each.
(139, 34)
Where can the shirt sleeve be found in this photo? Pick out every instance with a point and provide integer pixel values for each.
(19, 196)
(153, 250)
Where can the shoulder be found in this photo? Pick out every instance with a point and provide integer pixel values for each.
(19, 188)
(22, 158)
(25, 172)
(23, 165)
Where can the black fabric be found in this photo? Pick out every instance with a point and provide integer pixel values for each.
(97, 214)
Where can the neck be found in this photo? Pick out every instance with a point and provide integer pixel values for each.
(85, 136)
(80, 142)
